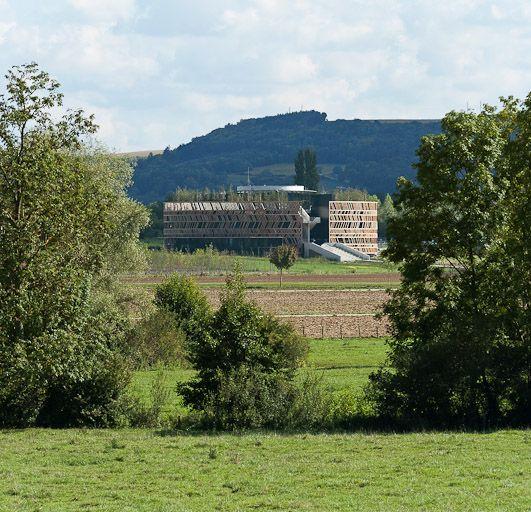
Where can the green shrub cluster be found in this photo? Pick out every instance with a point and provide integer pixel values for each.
(67, 228)
(245, 359)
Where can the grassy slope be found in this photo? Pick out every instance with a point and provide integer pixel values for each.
(139, 470)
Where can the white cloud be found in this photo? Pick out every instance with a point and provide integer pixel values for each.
(5, 28)
(158, 72)
(294, 68)
(106, 10)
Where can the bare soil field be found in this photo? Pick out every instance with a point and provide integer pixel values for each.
(323, 313)
(312, 302)
(340, 326)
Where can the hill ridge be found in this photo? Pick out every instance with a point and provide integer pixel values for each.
(368, 154)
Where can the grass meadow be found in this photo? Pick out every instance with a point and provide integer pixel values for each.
(147, 471)
(212, 262)
(143, 470)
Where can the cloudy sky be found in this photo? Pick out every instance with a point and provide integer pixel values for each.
(159, 72)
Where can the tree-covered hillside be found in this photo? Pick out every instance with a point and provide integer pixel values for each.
(362, 154)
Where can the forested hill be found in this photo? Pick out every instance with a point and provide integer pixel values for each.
(356, 153)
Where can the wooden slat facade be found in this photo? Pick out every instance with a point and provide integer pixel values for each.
(233, 220)
(354, 223)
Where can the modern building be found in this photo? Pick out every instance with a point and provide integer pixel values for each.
(315, 223)
(238, 226)
(354, 224)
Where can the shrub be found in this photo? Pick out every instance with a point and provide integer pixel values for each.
(184, 300)
(245, 398)
(245, 363)
(157, 340)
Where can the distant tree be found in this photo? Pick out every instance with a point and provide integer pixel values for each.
(306, 172)
(300, 169)
(460, 352)
(283, 257)
(385, 212)
(156, 224)
(354, 194)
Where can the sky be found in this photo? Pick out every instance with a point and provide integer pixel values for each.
(157, 72)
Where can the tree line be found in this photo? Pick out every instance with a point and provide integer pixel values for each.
(459, 351)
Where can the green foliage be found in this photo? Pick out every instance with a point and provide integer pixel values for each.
(181, 296)
(306, 172)
(283, 257)
(156, 223)
(461, 347)
(239, 342)
(353, 194)
(365, 154)
(183, 194)
(385, 212)
(66, 227)
(156, 340)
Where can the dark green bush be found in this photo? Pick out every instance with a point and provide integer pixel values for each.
(240, 335)
(184, 300)
(245, 359)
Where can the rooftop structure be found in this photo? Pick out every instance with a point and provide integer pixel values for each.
(273, 188)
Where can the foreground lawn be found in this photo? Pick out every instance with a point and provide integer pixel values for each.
(140, 470)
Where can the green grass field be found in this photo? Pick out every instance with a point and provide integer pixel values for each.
(342, 364)
(142, 470)
(219, 263)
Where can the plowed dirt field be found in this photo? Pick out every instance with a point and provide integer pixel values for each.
(323, 313)
(312, 302)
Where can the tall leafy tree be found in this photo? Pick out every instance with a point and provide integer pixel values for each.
(306, 172)
(460, 351)
(66, 227)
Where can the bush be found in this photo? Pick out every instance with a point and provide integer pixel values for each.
(93, 401)
(246, 399)
(245, 359)
(184, 300)
(240, 335)
(157, 340)
(91, 372)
